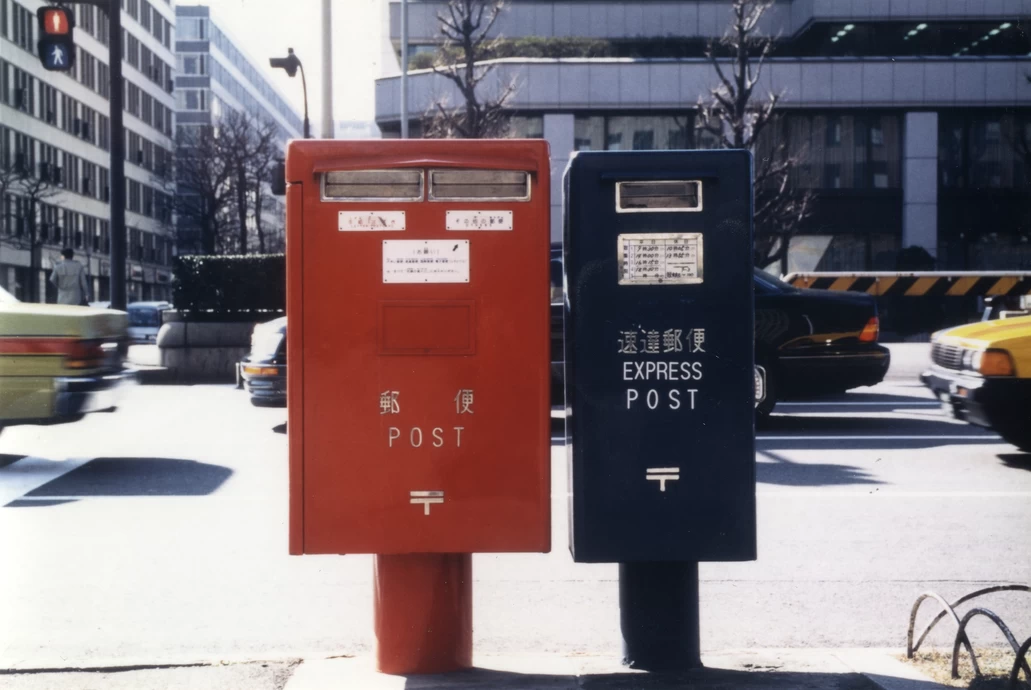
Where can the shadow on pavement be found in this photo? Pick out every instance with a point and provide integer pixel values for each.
(6, 459)
(709, 679)
(135, 477)
(785, 472)
(279, 428)
(1018, 461)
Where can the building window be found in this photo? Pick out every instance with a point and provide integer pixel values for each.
(192, 29)
(526, 127)
(984, 150)
(634, 132)
(191, 99)
(838, 151)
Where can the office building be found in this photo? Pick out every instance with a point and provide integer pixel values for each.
(216, 76)
(910, 115)
(55, 136)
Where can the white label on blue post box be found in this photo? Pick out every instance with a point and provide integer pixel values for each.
(425, 261)
(478, 220)
(667, 258)
(370, 221)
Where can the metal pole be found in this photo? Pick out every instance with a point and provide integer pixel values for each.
(304, 86)
(404, 69)
(658, 616)
(327, 69)
(117, 139)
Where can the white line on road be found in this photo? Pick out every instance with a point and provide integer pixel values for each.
(28, 474)
(842, 404)
(895, 494)
(989, 438)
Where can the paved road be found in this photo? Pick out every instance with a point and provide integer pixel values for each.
(158, 535)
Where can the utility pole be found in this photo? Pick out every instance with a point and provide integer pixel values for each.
(327, 69)
(117, 139)
(404, 69)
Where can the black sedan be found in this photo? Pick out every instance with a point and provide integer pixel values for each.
(263, 371)
(811, 342)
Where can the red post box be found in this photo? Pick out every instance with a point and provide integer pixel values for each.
(418, 343)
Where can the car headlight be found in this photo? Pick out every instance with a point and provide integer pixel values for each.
(995, 363)
(968, 359)
(975, 360)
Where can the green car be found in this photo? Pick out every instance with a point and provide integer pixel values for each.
(59, 362)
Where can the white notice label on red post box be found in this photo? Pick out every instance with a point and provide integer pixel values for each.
(370, 221)
(425, 261)
(478, 220)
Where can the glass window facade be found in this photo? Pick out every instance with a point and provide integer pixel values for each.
(839, 150)
(984, 150)
(633, 132)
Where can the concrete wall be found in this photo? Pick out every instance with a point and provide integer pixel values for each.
(700, 19)
(613, 84)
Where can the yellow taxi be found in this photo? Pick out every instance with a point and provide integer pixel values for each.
(59, 362)
(982, 373)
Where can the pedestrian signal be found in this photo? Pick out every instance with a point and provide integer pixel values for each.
(56, 47)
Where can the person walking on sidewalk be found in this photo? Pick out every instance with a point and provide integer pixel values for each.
(69, 277)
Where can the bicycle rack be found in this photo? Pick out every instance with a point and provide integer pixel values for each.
(961, 630)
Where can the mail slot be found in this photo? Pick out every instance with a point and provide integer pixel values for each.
(659, 356)
(419, 346)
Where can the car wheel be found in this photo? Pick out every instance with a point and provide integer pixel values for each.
(766, 406)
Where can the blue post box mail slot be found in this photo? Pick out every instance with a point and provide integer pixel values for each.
(660, 374)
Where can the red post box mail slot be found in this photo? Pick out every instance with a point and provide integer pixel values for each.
(418, 344)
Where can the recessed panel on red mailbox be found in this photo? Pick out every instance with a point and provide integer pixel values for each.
(418, 342)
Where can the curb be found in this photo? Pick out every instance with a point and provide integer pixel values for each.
(725, 670)
(882, 668)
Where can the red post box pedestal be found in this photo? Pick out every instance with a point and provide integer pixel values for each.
(419, 341)
(423, 613)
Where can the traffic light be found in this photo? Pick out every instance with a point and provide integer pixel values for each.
(56, 48)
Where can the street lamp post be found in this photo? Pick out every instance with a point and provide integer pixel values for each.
(291, 64)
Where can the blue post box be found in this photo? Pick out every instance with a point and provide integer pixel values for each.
(660, 378)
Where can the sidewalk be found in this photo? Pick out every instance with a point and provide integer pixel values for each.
(760, 669)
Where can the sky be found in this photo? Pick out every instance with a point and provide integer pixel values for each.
(266, 28)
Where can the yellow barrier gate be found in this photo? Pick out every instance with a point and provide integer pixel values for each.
(919, 283)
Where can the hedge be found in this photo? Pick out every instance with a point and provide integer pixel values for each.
(224, 284)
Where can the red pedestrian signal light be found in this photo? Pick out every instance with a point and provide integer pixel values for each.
(55, 21)
(56, 47)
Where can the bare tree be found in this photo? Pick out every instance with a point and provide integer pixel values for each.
(250, 144)
(32, 190)
(259, 168)
(204, 172)
(736, 116)
(466, 26)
